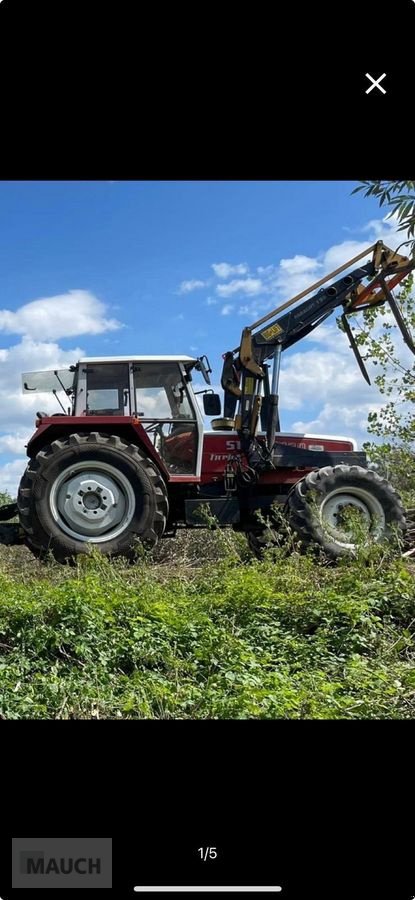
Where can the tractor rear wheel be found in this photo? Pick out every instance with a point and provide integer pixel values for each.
(91, 489)
(317, 505)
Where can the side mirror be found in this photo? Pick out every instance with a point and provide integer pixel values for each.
(212, 404)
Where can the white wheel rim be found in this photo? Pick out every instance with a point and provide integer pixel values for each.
(92, 501)
(358, 498)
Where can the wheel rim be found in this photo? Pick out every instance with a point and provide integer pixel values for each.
(92, 501)
(366, 505)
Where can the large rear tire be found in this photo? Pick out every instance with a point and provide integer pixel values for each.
(91, 489)
(316, 506)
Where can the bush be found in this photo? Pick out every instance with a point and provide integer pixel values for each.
(284, 638)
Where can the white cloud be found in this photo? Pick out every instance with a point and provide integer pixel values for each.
(380, 229)
(14, 443)
(194, 284)
(227, 309)
(211, 301)
(377, 230)
(64, 315)
(339, 254)
(312, 377)
(225, 270)
(339, 419)
(10, 475)
(19, 410)
(41, 323)
(330, 384)
(298, 264)
(33, 355)
(327, 334)
(292, 275)
(248, 286)
(265, 271)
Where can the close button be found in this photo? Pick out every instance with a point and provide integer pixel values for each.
(375, 83)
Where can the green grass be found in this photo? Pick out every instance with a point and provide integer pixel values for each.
(170, 637)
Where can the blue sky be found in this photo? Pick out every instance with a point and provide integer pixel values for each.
(169, 267)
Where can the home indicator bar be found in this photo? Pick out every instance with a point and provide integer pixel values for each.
(209, 888)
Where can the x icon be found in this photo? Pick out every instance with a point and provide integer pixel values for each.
(375, 83)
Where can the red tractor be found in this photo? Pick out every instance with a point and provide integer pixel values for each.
(130, 461)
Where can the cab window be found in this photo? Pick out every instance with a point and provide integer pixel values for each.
(108, 390)
(160, 392)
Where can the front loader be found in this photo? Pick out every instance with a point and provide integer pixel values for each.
(127, 459)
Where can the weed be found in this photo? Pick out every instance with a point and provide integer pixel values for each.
(199, 629)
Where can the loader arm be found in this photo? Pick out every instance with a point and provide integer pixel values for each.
(245, 376)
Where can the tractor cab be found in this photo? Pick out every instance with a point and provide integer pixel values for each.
(156, 390)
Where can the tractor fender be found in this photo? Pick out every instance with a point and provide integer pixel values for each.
(130, 429)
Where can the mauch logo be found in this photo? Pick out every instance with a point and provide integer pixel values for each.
(33, 862)
(62, 863)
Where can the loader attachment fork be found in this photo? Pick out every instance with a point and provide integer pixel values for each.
(400, 321)
(354, 347)
(245, 377)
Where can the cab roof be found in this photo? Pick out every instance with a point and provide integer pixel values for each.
(114, 359)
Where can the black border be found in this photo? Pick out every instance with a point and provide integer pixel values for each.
(140, 103)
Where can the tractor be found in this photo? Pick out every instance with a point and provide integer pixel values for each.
(127, 459)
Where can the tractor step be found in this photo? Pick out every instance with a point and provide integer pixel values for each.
(225, 510)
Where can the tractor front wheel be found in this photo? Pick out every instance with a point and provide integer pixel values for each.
(335, 506)
(91, 489)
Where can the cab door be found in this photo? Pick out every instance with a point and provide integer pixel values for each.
(167, 411)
